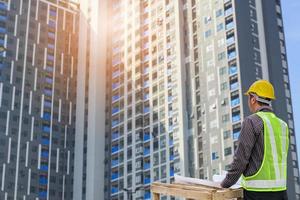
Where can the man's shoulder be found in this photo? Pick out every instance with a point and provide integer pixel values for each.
(255, 122)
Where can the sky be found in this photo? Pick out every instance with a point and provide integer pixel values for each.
(291, 17)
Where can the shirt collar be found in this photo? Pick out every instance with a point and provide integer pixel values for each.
(265, 109)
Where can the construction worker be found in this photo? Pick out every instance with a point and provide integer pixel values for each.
(261, 154)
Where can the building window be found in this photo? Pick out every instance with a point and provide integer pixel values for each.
(208, 33)
(223, 70)
(224, 86)
(220, 27)
(225, 118)
(219, 12)
(221, 56)
(226, 134)
(228, 151)
(214, 156)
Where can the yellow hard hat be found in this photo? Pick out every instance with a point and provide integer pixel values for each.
(262, 88)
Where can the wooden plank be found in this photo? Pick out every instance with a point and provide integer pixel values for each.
(192, 194)
(185, 186)
(156, 196)
(227, 194)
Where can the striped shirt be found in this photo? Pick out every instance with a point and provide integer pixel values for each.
(250, 150)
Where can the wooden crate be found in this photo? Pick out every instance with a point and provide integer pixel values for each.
(197, 192)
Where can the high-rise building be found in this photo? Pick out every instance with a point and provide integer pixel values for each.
(91, 89)
(232, 44)
(178, 71)
(38, 76)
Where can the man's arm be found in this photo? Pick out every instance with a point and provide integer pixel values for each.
(242, 155)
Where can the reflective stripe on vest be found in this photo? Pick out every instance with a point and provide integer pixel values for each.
(271, 175)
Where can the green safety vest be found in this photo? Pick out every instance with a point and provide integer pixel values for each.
(271, 176)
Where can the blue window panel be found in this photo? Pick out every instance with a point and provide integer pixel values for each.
(171, 142)
(52, 23)
(235, 102)
(115, 74)
(236, 118)
(44, 167)
(230, 40)
(170, 98)
(220, 27)
(171, 157)
(2, 65)
(43, 180)
(146, 33)
(50, 46)
(214, 156)
(228, 11)
(147, 195)
(46, 128)
(48, 92)
(114, 176)
(52, 13)
(43, 194)
(236, 135)
(49, 80)
(147, 180)
(51, 35)
(146, 110)
(146, 83)
(116, 62)
(232, 70)
(115, 110)
(47, 104)
(146, 70)
(146, 45)
(171, 172)
(49, 69)
(146, 166)
(2, 30)
(114, 123)
(146, 151)
(116, 50)
(114, 149)
(115, 85)
(219, 13)
(208, 33)
(229, 25)
(45, 141)
(3, 6)
(115, 98)
(171, 127)
(114, 163)
(3, 18)
(146, 96)
(115, 135)
(146, 137)
(231, 55)
(50, 57)
(234, 86)
(114, 190)
(47, 116)
(45, 154)
(1, 42)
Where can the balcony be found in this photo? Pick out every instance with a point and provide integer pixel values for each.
(115, 149)
(45, 142)
(115, 123)
(234, 86)
(233, 69)
(229, 25)
(236, 135)
(114, 163)
(43, 180)
(115, 110)
(235, 102)
(146, 84)
(146, 137)
(146, 110)
(115, 85)
(146, 151)
(115, 98)
(3, 6)
(115, 135)
(146, 166)
(231, 55)
(171, 157)
(228, 11)
(114, 190)
(236, 117)
(114, 176)
(230, 40)
(115, 74)
(147, 180)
